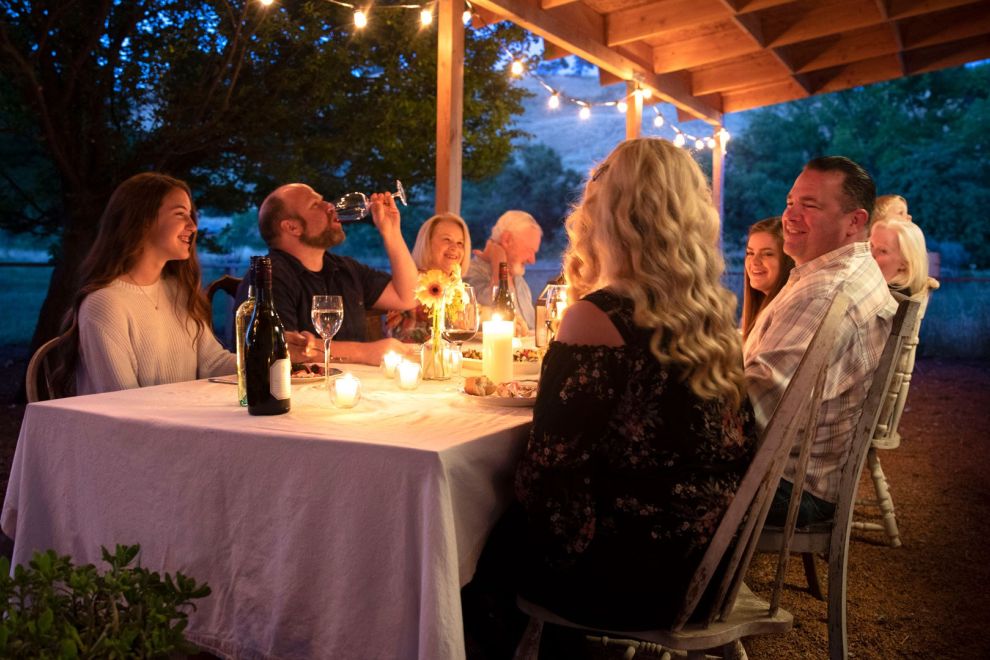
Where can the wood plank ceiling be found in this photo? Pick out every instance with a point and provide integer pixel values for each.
(709, 57)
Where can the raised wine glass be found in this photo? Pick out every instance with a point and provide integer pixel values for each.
(327, 314)
(556, 304)
(354, 207)
(460, 322)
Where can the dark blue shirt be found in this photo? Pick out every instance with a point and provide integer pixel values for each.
(294, 285)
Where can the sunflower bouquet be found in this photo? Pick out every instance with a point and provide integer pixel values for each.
(439, 292)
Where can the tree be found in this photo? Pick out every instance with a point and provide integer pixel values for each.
(922, 137)
(233, 96)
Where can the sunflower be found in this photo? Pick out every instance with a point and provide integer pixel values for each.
(431, 288)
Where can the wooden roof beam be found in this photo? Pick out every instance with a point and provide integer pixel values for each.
(778, 92)
(943, 27)
(640, 22)
(894, 30)
(956, 53)
(582, 32)
(753, 71)
(698, 51)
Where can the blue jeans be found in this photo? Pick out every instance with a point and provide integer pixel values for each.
(811, 510)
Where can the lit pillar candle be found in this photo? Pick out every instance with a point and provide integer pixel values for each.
(408, 374)
(346, 391)
(496, 349)
(390, 361)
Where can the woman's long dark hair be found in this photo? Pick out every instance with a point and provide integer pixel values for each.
(124, 227)
(754, 300)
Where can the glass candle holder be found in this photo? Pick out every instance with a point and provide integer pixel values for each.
(407, 375)
(345, 392)
(390, 361)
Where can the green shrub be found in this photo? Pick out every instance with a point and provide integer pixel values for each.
(53, 609)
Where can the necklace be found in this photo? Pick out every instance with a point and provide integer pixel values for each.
(158, 292)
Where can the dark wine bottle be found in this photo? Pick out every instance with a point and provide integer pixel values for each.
(267, 369)
(502, 298)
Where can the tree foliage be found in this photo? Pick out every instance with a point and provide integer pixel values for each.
(233, 96)
(923, 137)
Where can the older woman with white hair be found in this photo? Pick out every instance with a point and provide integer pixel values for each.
(641, 430)
(442, 243)
(899, 249)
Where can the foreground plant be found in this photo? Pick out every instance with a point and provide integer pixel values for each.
(53, 609)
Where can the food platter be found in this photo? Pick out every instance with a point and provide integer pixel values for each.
(503, 401)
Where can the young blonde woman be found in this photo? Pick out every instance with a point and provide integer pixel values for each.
(140, 317)
(442, 243)
(766, 269)
(641, 433)
(899, 249)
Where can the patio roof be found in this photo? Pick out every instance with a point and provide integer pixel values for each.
(709, 57)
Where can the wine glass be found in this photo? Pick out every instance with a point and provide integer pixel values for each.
(460, 323)
(327, 314)
(354, 207)
(556, 304)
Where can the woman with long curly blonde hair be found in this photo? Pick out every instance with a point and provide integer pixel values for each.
(641, 430)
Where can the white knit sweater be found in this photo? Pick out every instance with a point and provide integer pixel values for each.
(124, 342)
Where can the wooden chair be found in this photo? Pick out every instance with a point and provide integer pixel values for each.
(886, 435)
(736, 612)
(831, 538)
(38, 383)
(228, 284)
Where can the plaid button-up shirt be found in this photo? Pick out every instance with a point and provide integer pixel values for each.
(781, 336)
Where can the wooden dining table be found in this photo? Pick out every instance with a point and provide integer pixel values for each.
(323, 533)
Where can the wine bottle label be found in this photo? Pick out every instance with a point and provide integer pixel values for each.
(280, 379)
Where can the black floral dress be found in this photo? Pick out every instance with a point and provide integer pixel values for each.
(624, 481)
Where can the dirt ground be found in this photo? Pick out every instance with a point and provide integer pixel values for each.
(929, 598)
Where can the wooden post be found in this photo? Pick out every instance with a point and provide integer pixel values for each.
(718, 163)
(634, 113)
(450, 104)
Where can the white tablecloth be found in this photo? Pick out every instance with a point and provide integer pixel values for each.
(323, 533)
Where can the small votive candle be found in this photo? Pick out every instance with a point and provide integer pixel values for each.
(390, 361)
(346, 391)
(408, 375)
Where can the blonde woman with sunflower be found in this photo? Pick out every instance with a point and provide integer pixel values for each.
(641, 430)
(442, 244)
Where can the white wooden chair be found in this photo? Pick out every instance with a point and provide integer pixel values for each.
(886, 435)
(831, 538)
(735, 612)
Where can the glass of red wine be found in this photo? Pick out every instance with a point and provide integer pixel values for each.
(354, 207)
(460, 322)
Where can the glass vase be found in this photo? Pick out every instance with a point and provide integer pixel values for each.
(437, 356)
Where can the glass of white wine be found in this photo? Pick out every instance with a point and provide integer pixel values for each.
(354, 207)
(556, 304)
(460, 322)
(327, 314)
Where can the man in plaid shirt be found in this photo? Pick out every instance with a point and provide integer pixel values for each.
(826, 226)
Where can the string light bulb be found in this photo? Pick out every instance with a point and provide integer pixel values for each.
(466, 17)
(585, 112)
(360, 19)
(554, 101)
(699, 144)
(710, 143)
(723, 136)
(658, 121)
(266, 3)
(647, 93)
(517, 68)
(622, 106)
(679, 140)
(425, 16)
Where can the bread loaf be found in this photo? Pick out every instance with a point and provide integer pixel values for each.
(479, 385)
